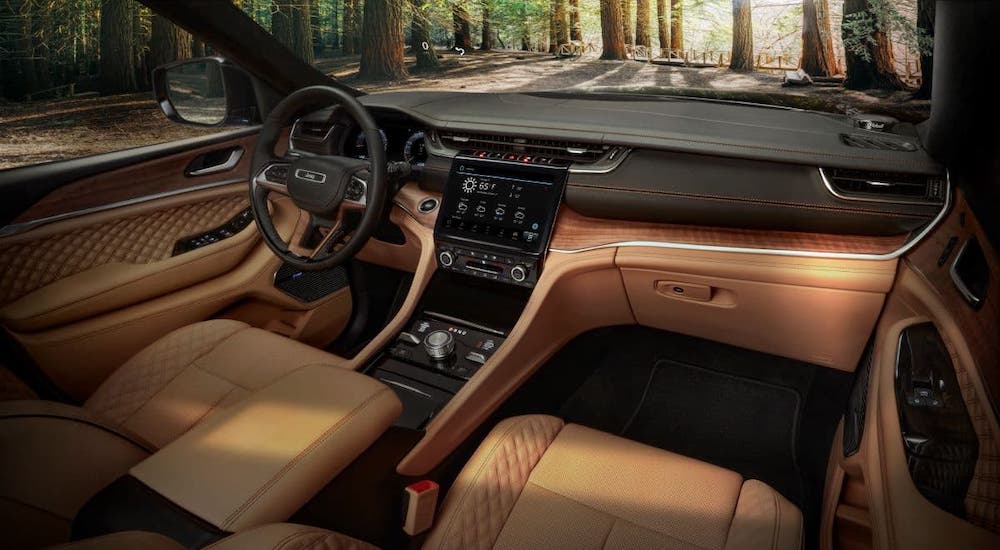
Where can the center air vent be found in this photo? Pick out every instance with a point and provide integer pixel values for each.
(574, 152)
(885, 186)
(881, 143)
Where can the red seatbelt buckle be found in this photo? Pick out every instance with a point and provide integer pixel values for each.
(420, 505)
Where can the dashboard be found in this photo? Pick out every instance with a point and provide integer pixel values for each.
(707, 169)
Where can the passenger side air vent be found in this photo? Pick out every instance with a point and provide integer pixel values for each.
(885, 186)
(881, 143)
(495, 144)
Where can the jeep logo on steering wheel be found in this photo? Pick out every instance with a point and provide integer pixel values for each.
(309, 175)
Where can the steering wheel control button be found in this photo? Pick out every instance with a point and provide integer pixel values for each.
(409, 338)
(427, 206)
(439, 344)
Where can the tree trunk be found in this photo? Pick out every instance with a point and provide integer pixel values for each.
(612, 31)
(140, 51)
(290, 25)
(168, 42)
(561, 18)
(925, 23)
(878, 71)
(463, 26)
(552, 26)
(315, 28)
(677, 26)
(742, 51)
(642, 37)
(487, 42)
(818, 58)
(420, 34)
(627, 22)
(351, 35)
(382, 44)
(663, 27)
(575, 29)
(335, 25)
(197, 48)
(116, 65)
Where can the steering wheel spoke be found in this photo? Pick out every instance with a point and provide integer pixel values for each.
(273, 177)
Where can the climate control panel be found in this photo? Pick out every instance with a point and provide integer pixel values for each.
(513, 269)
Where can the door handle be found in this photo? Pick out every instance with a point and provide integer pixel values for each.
(214, 162)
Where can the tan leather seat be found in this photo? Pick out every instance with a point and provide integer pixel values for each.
(283, 536)
(54, 457)
(536, 482)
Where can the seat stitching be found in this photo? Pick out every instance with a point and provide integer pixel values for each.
(213, 406)
(294, 536)
(246, 506)
(487, 460)
(607, 536)
(180, 372)
(776, 528)
(585, 505)
(111, 429)
(276, 545)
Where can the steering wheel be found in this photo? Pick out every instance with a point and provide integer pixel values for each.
(325, 186)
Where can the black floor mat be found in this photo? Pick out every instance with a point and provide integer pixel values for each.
(766, 417)
(739, 423)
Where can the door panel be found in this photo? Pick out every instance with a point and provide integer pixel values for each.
(899, 514)
(104, 265)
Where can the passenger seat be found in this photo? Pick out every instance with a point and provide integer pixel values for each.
(536, 482)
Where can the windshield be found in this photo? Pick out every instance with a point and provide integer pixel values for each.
(827, 55)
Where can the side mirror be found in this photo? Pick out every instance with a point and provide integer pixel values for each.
(206, 91)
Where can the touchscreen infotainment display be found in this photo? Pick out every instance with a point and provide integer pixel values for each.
(508, 206)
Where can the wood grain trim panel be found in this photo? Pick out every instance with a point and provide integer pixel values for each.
(574, 231)
(154, 177)
(981, 329)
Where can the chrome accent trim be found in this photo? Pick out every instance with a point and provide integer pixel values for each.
(606, 164)
(405, 387)
(14, 229)
(974, 300)
(234, 158)
(782, 252)
(833, 191)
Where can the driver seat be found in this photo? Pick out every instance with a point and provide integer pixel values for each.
(54, 457)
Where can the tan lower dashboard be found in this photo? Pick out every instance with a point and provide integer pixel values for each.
(815, 309)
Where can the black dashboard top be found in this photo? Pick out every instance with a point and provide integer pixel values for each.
(669, 124)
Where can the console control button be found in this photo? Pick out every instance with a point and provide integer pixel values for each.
(408, 338)
(476, 357)
(439, 344)
(446, 258)
(519, 273)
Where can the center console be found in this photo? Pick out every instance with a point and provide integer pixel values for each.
(491, 235)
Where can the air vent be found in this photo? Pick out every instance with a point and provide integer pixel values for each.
(570, 151)
(885, 186)
(311, 130)
(880, 143)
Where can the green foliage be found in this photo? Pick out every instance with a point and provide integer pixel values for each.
(884, 16)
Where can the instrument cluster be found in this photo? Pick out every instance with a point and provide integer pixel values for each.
(400, 141)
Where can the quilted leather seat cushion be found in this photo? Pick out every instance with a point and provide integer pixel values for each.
(537, 483)
(191, 372)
